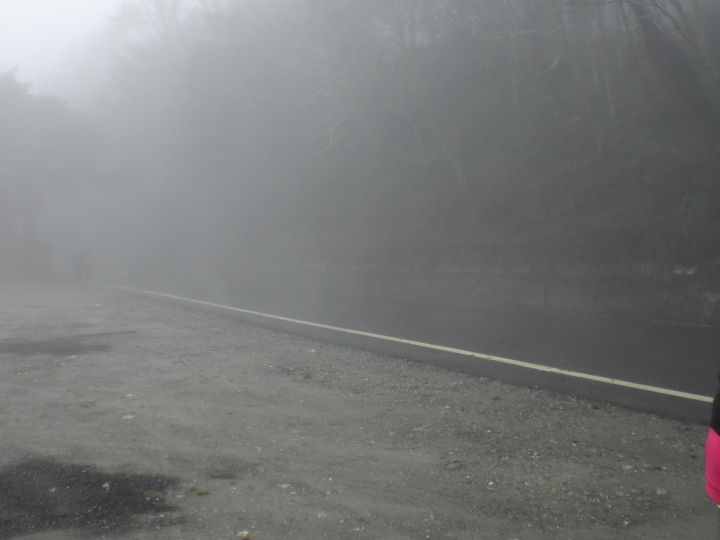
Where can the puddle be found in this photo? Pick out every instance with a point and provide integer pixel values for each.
(62, 346)
(41, 495)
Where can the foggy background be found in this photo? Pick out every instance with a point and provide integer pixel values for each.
(277, 153)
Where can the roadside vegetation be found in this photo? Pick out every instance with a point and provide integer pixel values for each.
(561, 130)
(46, 149)
(569, 129)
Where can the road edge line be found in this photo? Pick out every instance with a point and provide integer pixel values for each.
(488, 357)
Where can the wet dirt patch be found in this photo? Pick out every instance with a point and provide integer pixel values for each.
(41, 494)
(62, 346)
(230, 469)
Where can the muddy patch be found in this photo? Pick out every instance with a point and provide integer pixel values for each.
(62, 346)
(40, 494)
(230, 469)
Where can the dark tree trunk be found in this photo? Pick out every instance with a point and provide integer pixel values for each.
(691, 103)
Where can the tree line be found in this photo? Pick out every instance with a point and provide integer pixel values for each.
(572, 129)
(46, 150)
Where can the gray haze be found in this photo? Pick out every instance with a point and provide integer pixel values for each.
(519, 190)
(246, 149)
(38, 36)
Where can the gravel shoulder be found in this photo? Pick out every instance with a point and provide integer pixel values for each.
(245, 429)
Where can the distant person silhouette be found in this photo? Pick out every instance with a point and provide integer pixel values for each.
(77, 266)
(89, 262)
(82, 262)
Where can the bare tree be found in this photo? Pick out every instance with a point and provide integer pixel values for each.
(161, 17)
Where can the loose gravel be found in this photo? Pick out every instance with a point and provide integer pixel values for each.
(268, 435)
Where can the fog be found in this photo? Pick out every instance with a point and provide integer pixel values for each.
(36, 36)
(287, 152)
(453, 265)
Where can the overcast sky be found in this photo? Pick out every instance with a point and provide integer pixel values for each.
(37, 35)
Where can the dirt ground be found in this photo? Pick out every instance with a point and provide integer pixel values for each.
(130, 418)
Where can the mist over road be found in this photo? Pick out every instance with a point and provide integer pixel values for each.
(444, 139)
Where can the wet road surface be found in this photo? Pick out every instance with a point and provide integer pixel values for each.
(655, 353)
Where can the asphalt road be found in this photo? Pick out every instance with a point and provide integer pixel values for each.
(681, 358)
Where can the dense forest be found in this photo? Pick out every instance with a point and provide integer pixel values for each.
(46, 150)
(551, 130)
(585, 129)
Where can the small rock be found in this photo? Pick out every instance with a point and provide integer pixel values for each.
(245, 535)
(662, 493)
(454, 465)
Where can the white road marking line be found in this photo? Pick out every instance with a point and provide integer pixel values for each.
(499, 359)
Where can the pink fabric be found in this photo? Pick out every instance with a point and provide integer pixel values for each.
(712, 466)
